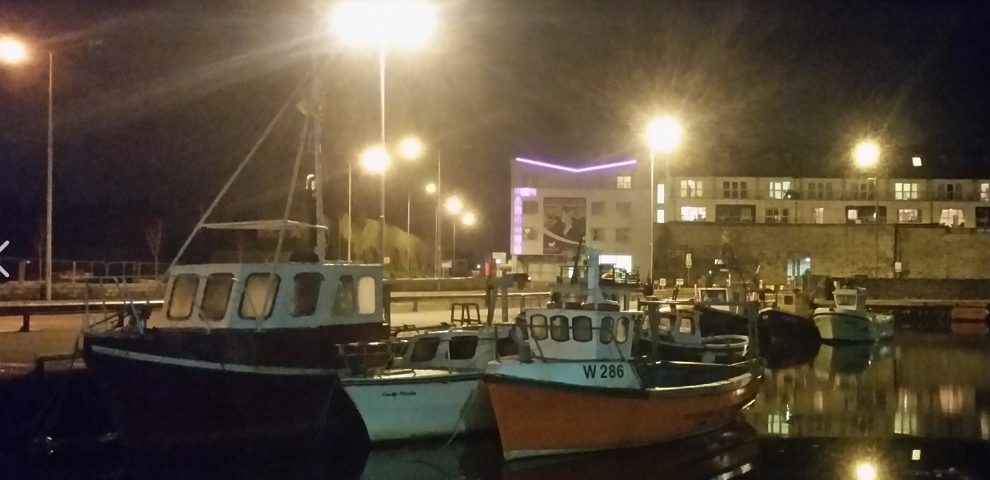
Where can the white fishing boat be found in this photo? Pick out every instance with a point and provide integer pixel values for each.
(680, 337)
(432, 386)
(849, 321)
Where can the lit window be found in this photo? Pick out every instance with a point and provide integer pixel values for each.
(623, 182)
(180, 304)
(908, 215)
(985, 192)
(819, 215)
(623, 208)
(305, 294)
(694, 214)
(852, 215)
(259, 295)
(779, 190)
(598, 208)
(661, 196)
(216, 296)
(539, 326)
(691, 189)
(622, 235)
(367, 296)
(952, 217)
(660, 216)
(559, 330)
(686, 326)
(622, 330)
(598, 234)
(905, 191)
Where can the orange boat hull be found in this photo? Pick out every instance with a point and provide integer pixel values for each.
(539, 418)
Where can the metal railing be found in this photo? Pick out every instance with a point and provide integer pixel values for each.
(78, 271)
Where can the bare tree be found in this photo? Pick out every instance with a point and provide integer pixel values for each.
(153, 237)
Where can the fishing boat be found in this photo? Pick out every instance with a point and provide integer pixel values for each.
(574, 386)
(849, 321)
(679, 336)
(431, 387)
(244, 352)
(787, 320)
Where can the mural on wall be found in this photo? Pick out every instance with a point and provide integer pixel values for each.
(564, 224)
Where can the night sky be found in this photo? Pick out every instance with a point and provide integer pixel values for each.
(157, 102)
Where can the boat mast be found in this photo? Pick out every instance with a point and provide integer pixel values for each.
(316, 110)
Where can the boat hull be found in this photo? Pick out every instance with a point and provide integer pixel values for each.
(851, 327)
(416, 407)
(170, 388)
(711, 352)
(545, 418)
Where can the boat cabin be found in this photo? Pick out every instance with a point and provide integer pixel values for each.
(615, 285)
(730, 299)
(850, 298)
(793, 301)
(680, 325)
(457, 349)
(591, 331)
(273, 296)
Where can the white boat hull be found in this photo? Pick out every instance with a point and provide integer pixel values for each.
(852, 326)
(439, 404)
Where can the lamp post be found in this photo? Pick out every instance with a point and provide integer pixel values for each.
(663, 135)
(14, 52)
(867, 155)
(376, 160)
(411, 150)
(390, 23)
(454, 207)
(468, 220)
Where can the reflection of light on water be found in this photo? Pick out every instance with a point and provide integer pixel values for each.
(819, 401)
(985, 425)
(777, 424)
(906, 417)
(865, 471)
(742, 470)
(950, 398)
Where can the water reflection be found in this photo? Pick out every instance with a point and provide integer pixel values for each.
(916, 385)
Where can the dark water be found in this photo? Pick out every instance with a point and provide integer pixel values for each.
(916, 407)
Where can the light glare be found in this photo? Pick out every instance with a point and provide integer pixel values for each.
(454, 205)
(663, 134)
(867, 153)
(375, 160)
(431, 188)
(12, 51)
(411, 148)
(469, 219)
(865, 471)
(916, 161)
(389, 22)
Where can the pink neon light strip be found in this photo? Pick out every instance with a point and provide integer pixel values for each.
(576, 170)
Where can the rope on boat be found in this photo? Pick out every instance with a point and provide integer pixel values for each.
(460, 419)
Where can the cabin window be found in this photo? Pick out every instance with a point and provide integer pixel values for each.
(582, 329)
(462, 347)
(367, 295)
(559, 330)
(259, 295)
(305, 294)
(664, 324)
(425, 349)
(343, 301)
(788, 299)
(216, 296)
(180, 304)
(605, 334)
(845, 300)
(686, 325)
(539, 327)
(622, 330)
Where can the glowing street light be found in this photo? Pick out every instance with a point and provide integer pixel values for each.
(411, 148)
(663, 134)
(402, 23)
(12, 51)
(375, 160)
(866, 154)
(431, 188)
(469, 219)
(453, 205)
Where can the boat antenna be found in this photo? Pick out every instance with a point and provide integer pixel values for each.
(577, 260)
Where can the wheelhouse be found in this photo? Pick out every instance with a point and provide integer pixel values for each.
(271, 296)
(595, 331)
(850, 298)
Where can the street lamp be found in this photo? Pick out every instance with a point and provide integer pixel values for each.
(866, 154)
(411, 149)
(453, 205)
(663, 134)
(385, 23)
(13, 51)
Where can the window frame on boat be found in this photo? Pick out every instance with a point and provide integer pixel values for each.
(609, 330)
(622, 325)
(560, 332)
(305, 298)
(178, 285)
(366, 283)
(690, 323)
(273, 296)
(214, 310)
(540, 332)
(426, 342)
(458, 352)
(338, 310)
(586, 331)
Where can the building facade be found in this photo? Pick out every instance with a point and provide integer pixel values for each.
(608, 204)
